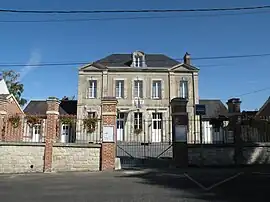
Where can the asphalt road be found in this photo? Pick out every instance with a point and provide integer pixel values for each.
(158, 186)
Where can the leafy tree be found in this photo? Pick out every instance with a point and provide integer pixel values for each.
(14, 86)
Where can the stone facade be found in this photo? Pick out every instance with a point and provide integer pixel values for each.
(76, 158)
(106, 84)
(17, 158)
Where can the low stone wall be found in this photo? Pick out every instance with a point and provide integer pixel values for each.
(21, 157)
(74, 157)
(222, 155)
(257, 153)
(211, 155)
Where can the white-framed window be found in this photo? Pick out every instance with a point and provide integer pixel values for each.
(156, 89)
(91, 114)
(138, 61)
(138, 120)
(119, 88)
(138, 89)
(183, 89)
(36, 133)
(37, 129)
(92, 89)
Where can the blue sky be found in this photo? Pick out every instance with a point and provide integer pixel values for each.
(201, 36)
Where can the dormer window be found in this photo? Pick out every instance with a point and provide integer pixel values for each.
(138, 59)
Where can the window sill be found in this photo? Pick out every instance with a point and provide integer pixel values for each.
(156, 98)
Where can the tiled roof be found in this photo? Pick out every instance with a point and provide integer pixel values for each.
(214, 108)
(67, 107)
(125, 60)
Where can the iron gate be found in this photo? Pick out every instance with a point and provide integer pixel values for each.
(148, 144)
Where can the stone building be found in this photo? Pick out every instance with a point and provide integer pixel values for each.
(144, 85)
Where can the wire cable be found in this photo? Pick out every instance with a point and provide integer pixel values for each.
(129, 18)
(113, 62)
(133, 11)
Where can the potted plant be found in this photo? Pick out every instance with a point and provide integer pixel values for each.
(137, 130)
(90, 124)
(32, 120)
(15, 121)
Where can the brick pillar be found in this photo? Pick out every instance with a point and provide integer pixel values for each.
(51, 125)
(108, 153)
(179, 131)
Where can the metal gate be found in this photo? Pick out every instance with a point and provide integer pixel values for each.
(146, 143)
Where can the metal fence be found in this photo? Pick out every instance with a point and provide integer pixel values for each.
(206, 133)
(23, 129)
(143, 142)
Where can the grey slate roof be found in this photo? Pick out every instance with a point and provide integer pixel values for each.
(125, 60)
(213, 108)
(67, 107)
(265, 109)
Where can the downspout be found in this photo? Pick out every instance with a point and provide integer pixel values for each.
(194, 108)
(101, 121)
(170, 113)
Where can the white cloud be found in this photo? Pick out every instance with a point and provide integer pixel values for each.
(35, 59)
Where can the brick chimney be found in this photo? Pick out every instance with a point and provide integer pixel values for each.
(234, 105)
(187, 58)
(52, 104)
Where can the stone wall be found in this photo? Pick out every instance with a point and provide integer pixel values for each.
(211, 155)
(250, 154)
(76, 157)
(21, 158)
(256, 154)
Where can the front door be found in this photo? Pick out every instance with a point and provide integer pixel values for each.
(156, 127)
(120, 122)
(36, 133)
(65, 133)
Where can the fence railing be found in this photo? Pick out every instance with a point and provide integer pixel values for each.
(72, 130)
(145, 131)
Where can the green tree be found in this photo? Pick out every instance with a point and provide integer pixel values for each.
(14, 86)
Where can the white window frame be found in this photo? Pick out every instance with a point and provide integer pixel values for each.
(138, 91)
(92, 90)
(157, 90)
(37, 127)
(120, 88)
(91, 114)
(183, 89)
(138, 118)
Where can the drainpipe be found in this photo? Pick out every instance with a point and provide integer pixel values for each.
(194, 109)
(101, 121)
(170, 113)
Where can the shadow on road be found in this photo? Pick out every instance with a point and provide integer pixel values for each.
(241, 184)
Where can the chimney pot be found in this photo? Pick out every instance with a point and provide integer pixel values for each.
(234, 105)
(187, 58)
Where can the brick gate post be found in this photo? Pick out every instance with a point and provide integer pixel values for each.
(51, 126)
(108, 147)
(179, 131)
